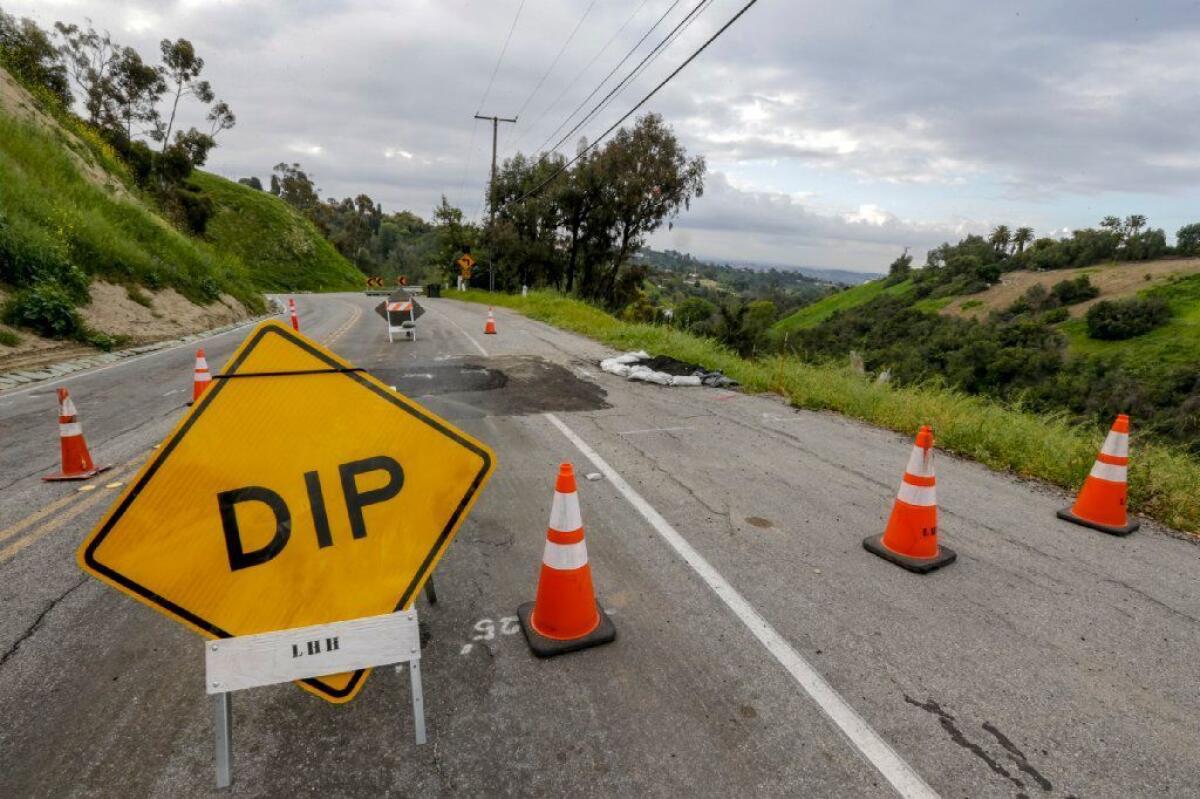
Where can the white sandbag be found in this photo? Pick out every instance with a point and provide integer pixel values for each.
(631, 357)
(612, 367)
(685, 380)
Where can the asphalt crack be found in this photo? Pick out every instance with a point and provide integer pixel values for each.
(37, 623)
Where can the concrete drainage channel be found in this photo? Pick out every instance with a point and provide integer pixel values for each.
(27, 377)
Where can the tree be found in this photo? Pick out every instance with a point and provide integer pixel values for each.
(27, 52)
(220, 117)
(900, 268)
(1187, 239)
(90, 57)
(136, 88)
(182, 70)
(1134, 223)
(648, 179)
(1000, 238)
(253, 182)
(693, 313)
(292, 184)
(1022, 237)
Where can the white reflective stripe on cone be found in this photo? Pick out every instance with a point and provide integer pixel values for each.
(68, 429)
(565, 557)
(564, 513)
(1117, 445)
(924, 496)
(203, 377)
(1110, 472)
(920, 462)
(67, 408)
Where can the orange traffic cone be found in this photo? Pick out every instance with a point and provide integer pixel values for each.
(202, 378)
(490, 327)
(565, 616)
(1101, 503)
(295, 316)
(910, 539)
(76, 460)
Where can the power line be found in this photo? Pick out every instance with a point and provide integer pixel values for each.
(554, 63)
(633, 110)
(500, 60)
(611, 72)
(582, 72)
(649, 58)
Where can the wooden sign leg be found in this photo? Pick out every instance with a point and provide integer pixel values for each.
(223, 723)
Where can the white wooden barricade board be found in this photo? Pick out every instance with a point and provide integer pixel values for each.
(250, 661)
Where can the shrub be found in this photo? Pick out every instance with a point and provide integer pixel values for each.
(1069, 292)
(9, 338)
(137, 295)
(694, 312)
(46, 309)
(1116, 320)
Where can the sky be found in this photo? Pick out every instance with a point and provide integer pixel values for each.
(834, 134)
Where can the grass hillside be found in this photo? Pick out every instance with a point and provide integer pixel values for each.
(1176, 343)
(72, 222)
(1162, 481)
(812, 315)
(282, 251)
(58, 225)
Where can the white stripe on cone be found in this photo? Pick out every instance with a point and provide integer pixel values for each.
(564, 513)
(68, 408)
(1116, 445)
(565, 557)
(69, 429)
(1110, 472)
(924, 496)
(203, 377)
(920, 462)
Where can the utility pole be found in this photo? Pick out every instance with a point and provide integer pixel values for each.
(495, 132)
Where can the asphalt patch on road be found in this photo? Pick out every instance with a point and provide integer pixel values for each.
(508, 385)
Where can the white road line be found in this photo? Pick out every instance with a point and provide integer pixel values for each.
(653, 430)
(482, 351)
(906, 781)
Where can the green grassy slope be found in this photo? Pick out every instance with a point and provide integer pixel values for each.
(818, 312)
(53, 220)
(282, 250)
(1176, 343)
(1162, 480)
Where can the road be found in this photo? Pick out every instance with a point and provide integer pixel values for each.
(761, 650)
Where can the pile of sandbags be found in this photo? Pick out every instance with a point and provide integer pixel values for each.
(629, 367)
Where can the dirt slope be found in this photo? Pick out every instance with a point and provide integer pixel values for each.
(1113, 280)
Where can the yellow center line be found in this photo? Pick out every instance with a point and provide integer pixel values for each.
(341, 331)
(58, 521)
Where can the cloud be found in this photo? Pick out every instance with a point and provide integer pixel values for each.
(878, 125)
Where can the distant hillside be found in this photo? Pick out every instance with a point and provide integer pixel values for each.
(844, 276)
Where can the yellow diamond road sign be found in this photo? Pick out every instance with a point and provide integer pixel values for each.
(297, 491)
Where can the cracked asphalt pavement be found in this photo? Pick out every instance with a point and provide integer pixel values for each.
(1049, 660)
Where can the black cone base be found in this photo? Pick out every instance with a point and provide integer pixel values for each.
(60, 477)
(1066, 514)
(945, 556)
(545, 647)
